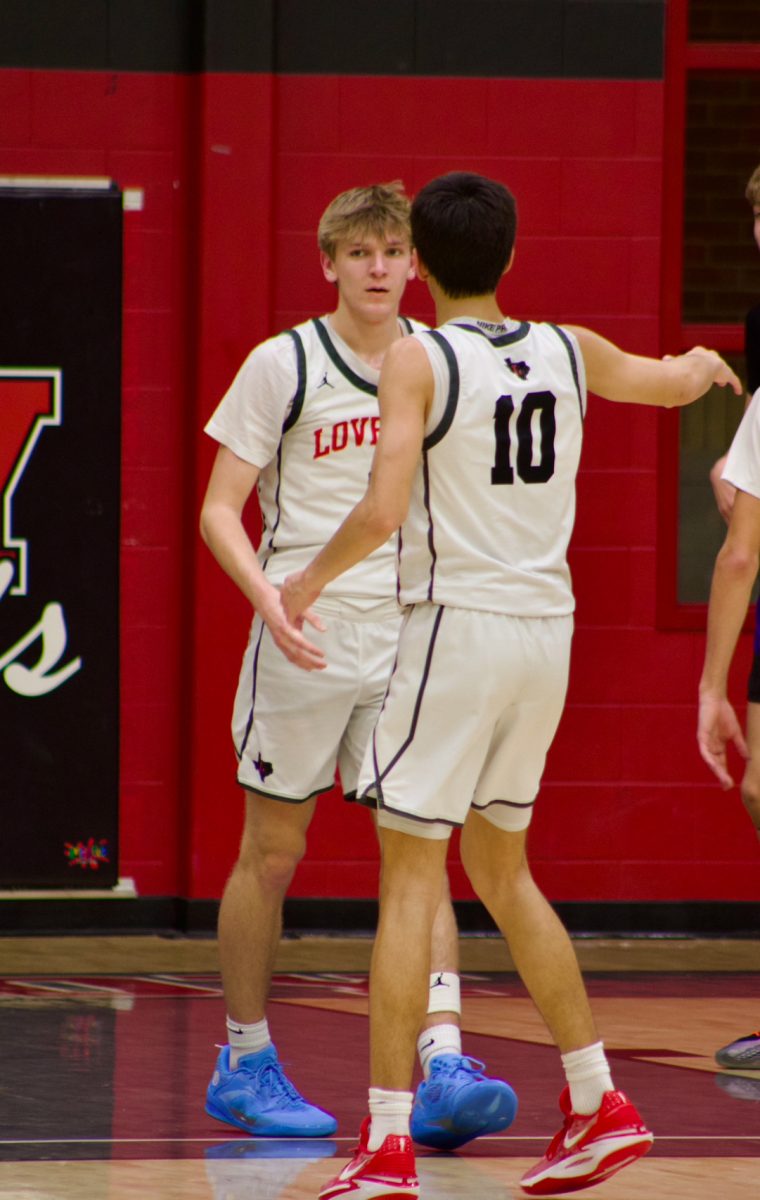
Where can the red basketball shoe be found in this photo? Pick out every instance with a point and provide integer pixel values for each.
(588, 1149)
(385, 1174)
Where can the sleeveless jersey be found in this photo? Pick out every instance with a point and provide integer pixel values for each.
(303, 408)
(493, 500)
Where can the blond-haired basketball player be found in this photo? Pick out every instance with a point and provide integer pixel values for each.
(299, 424)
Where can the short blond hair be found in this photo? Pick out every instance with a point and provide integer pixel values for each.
(753, 187)
(379, 209)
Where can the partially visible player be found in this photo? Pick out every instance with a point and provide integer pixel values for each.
(744, 1051)
(298, 425)
(482, 423)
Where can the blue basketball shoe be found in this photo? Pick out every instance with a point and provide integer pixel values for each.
(259, 1098)
(458, 1103)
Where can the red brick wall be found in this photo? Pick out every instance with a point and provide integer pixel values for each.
(236, 170)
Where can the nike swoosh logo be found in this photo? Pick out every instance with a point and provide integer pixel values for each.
(569, 1141)
(351, 1168)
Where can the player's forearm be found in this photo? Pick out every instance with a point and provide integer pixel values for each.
(730, 592)
(224, 534)
(364, 529)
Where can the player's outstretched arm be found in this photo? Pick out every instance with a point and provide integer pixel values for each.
(231, 482)
(665, 383)
(404, 393)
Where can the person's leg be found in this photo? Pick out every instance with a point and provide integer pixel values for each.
(410, 890)
(460, 1103)
(250, 914)
(444, 967)
(602, 1131)
(543, 954)
(248, 1088)
(750, 786)
(744, 1051)
(411, 879)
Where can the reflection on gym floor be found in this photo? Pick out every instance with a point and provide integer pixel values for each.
(104, 1077)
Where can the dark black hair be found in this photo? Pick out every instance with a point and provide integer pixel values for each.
(463, 228)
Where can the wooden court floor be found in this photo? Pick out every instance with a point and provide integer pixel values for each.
(107, 1045)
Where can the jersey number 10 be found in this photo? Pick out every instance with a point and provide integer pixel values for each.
(528, 470)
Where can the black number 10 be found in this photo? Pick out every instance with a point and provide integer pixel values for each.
(528, 471)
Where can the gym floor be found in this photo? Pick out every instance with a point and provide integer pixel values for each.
(108, 1045)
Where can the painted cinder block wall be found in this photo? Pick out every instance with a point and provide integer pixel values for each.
(239, 130)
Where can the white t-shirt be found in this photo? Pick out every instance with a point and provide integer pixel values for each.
(742, 467)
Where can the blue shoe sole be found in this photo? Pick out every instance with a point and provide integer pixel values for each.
(317, 1129)
(493, 1108)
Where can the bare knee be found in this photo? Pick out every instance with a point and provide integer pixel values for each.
(270, 851)
(495, 861)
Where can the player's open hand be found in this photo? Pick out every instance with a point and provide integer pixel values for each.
(717, 726)
(294, 600)
(288, 636)
(723, 375)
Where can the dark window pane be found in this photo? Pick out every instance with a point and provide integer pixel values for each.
(721, 275)
(724, 21)
(706, 431)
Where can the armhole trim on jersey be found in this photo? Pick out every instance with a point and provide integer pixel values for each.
(362, 384)
(452, 399)
(298, 398)
(406, 323)
(573, 363)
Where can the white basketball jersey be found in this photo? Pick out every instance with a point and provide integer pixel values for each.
(493, 501)
(317, 461)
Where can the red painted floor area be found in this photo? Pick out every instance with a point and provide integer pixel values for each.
(116, 1067)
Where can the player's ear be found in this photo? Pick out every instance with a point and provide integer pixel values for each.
(509, 264)
(328, 268)
(412, 272)
(421, 269)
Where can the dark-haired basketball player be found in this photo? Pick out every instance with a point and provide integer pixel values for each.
(482, 422)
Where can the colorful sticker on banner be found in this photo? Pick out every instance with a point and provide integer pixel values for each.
(87, 854)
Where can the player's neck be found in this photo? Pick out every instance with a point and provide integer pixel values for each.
(368, 340)
(485, 308)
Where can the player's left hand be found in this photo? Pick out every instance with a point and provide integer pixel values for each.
(717, 726)
(296, 598)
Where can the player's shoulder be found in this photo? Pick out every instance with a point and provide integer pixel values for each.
(280, 349)
(412, 325)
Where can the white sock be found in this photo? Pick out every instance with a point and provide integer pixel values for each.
(444, 994)
(588, 1075)
(246, 1039)
(438, 1039)
(390, 1112)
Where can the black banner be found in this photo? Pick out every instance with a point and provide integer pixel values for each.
(60, 359)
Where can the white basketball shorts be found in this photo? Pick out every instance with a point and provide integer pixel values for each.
(473, 704)
(292, 728)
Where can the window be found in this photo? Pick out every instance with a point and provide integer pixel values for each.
(711, 273)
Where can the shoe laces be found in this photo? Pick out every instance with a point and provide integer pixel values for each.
(272, 1077)
(448, 1065)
